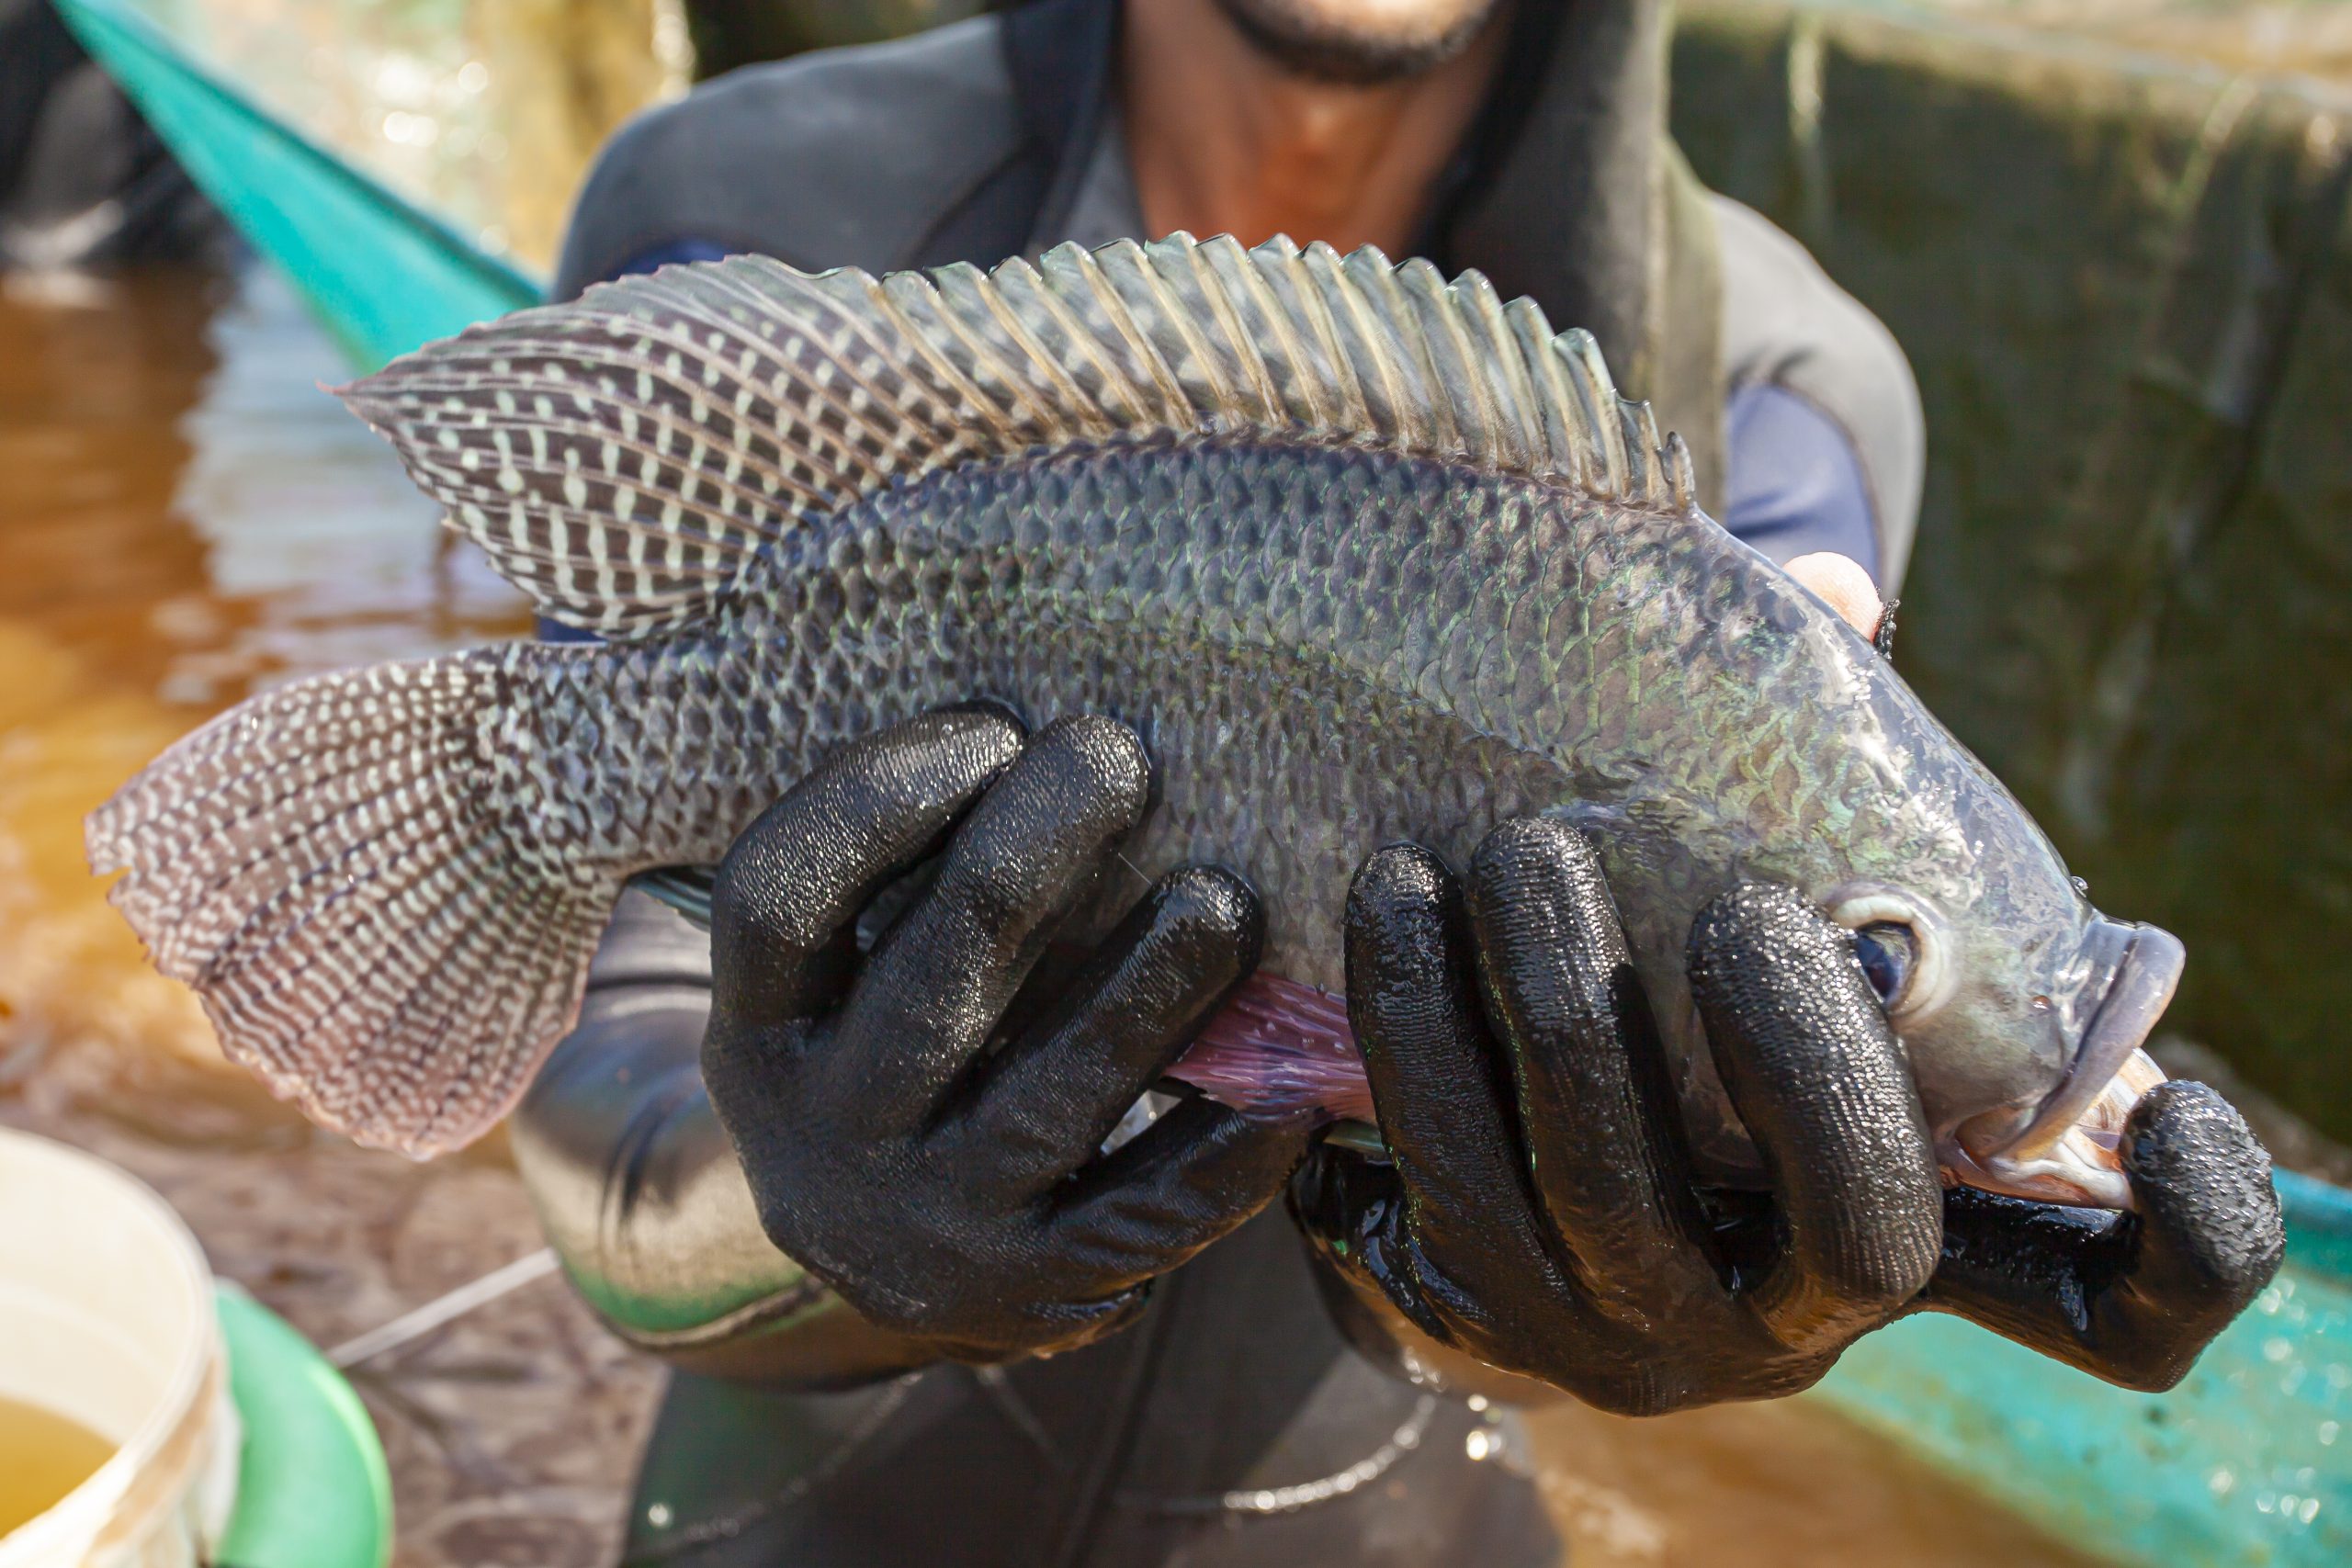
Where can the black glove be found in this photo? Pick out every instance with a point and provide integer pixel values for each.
(2130, 1298)
(1541, 1213)
(941, 1177)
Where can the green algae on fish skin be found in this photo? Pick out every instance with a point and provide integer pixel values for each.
(1363, 555)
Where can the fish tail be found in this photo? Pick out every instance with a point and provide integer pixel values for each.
(343, 869)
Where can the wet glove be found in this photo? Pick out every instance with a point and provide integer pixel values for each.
(938, 1171)
(1541, 1216)
(2130, 1298)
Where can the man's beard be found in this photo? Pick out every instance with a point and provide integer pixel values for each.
(1307, 38)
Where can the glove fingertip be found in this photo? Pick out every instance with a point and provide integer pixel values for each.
(996, 714)
(1106, 763)
(1209, 912)
(2184, 1131)
(869, 807)
(1398, 924)
(1397, 878)
(2202, 1180)
(1533, 848)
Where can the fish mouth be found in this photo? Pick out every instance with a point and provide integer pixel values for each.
(2066, 1150)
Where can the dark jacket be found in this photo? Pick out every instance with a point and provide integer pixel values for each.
(1235, 1424)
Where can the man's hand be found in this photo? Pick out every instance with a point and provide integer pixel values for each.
(1541, 1216)
(943, 1180)
(2130, 1298)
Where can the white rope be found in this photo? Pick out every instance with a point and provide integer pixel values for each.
(415, 1324)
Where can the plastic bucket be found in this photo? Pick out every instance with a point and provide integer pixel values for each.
(106, 1317)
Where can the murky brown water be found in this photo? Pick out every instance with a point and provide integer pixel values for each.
(183, 517)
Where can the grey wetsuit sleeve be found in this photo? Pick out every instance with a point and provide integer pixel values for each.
(1793, 483)
(640, 1194)
(840, 158)
(1787, 326)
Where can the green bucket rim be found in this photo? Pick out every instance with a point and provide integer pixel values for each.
(312, 1487)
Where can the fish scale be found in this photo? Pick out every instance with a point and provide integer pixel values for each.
(1074, 582)
(1363, 554)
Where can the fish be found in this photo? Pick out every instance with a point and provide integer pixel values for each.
(1363, 553)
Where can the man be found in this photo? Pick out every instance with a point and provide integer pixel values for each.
(998, 1345)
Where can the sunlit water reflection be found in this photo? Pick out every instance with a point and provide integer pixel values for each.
(185, 516)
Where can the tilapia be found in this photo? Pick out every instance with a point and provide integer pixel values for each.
(1363, 554)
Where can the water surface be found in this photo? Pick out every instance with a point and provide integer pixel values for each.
(185, 517)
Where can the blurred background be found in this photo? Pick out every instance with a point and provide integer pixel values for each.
(2111, 234)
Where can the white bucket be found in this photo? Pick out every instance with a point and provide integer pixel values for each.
(106, 1318)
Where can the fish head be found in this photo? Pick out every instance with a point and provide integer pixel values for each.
(2022, 1008)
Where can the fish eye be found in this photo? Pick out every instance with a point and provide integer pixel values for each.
(1887, 951)
(1901, 946)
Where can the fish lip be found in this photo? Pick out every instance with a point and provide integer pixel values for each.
(2097, 1187)
(2137, 993)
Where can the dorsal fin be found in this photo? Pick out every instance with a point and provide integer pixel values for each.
(623, 455)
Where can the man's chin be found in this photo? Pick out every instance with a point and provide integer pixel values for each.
(1361, 43)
